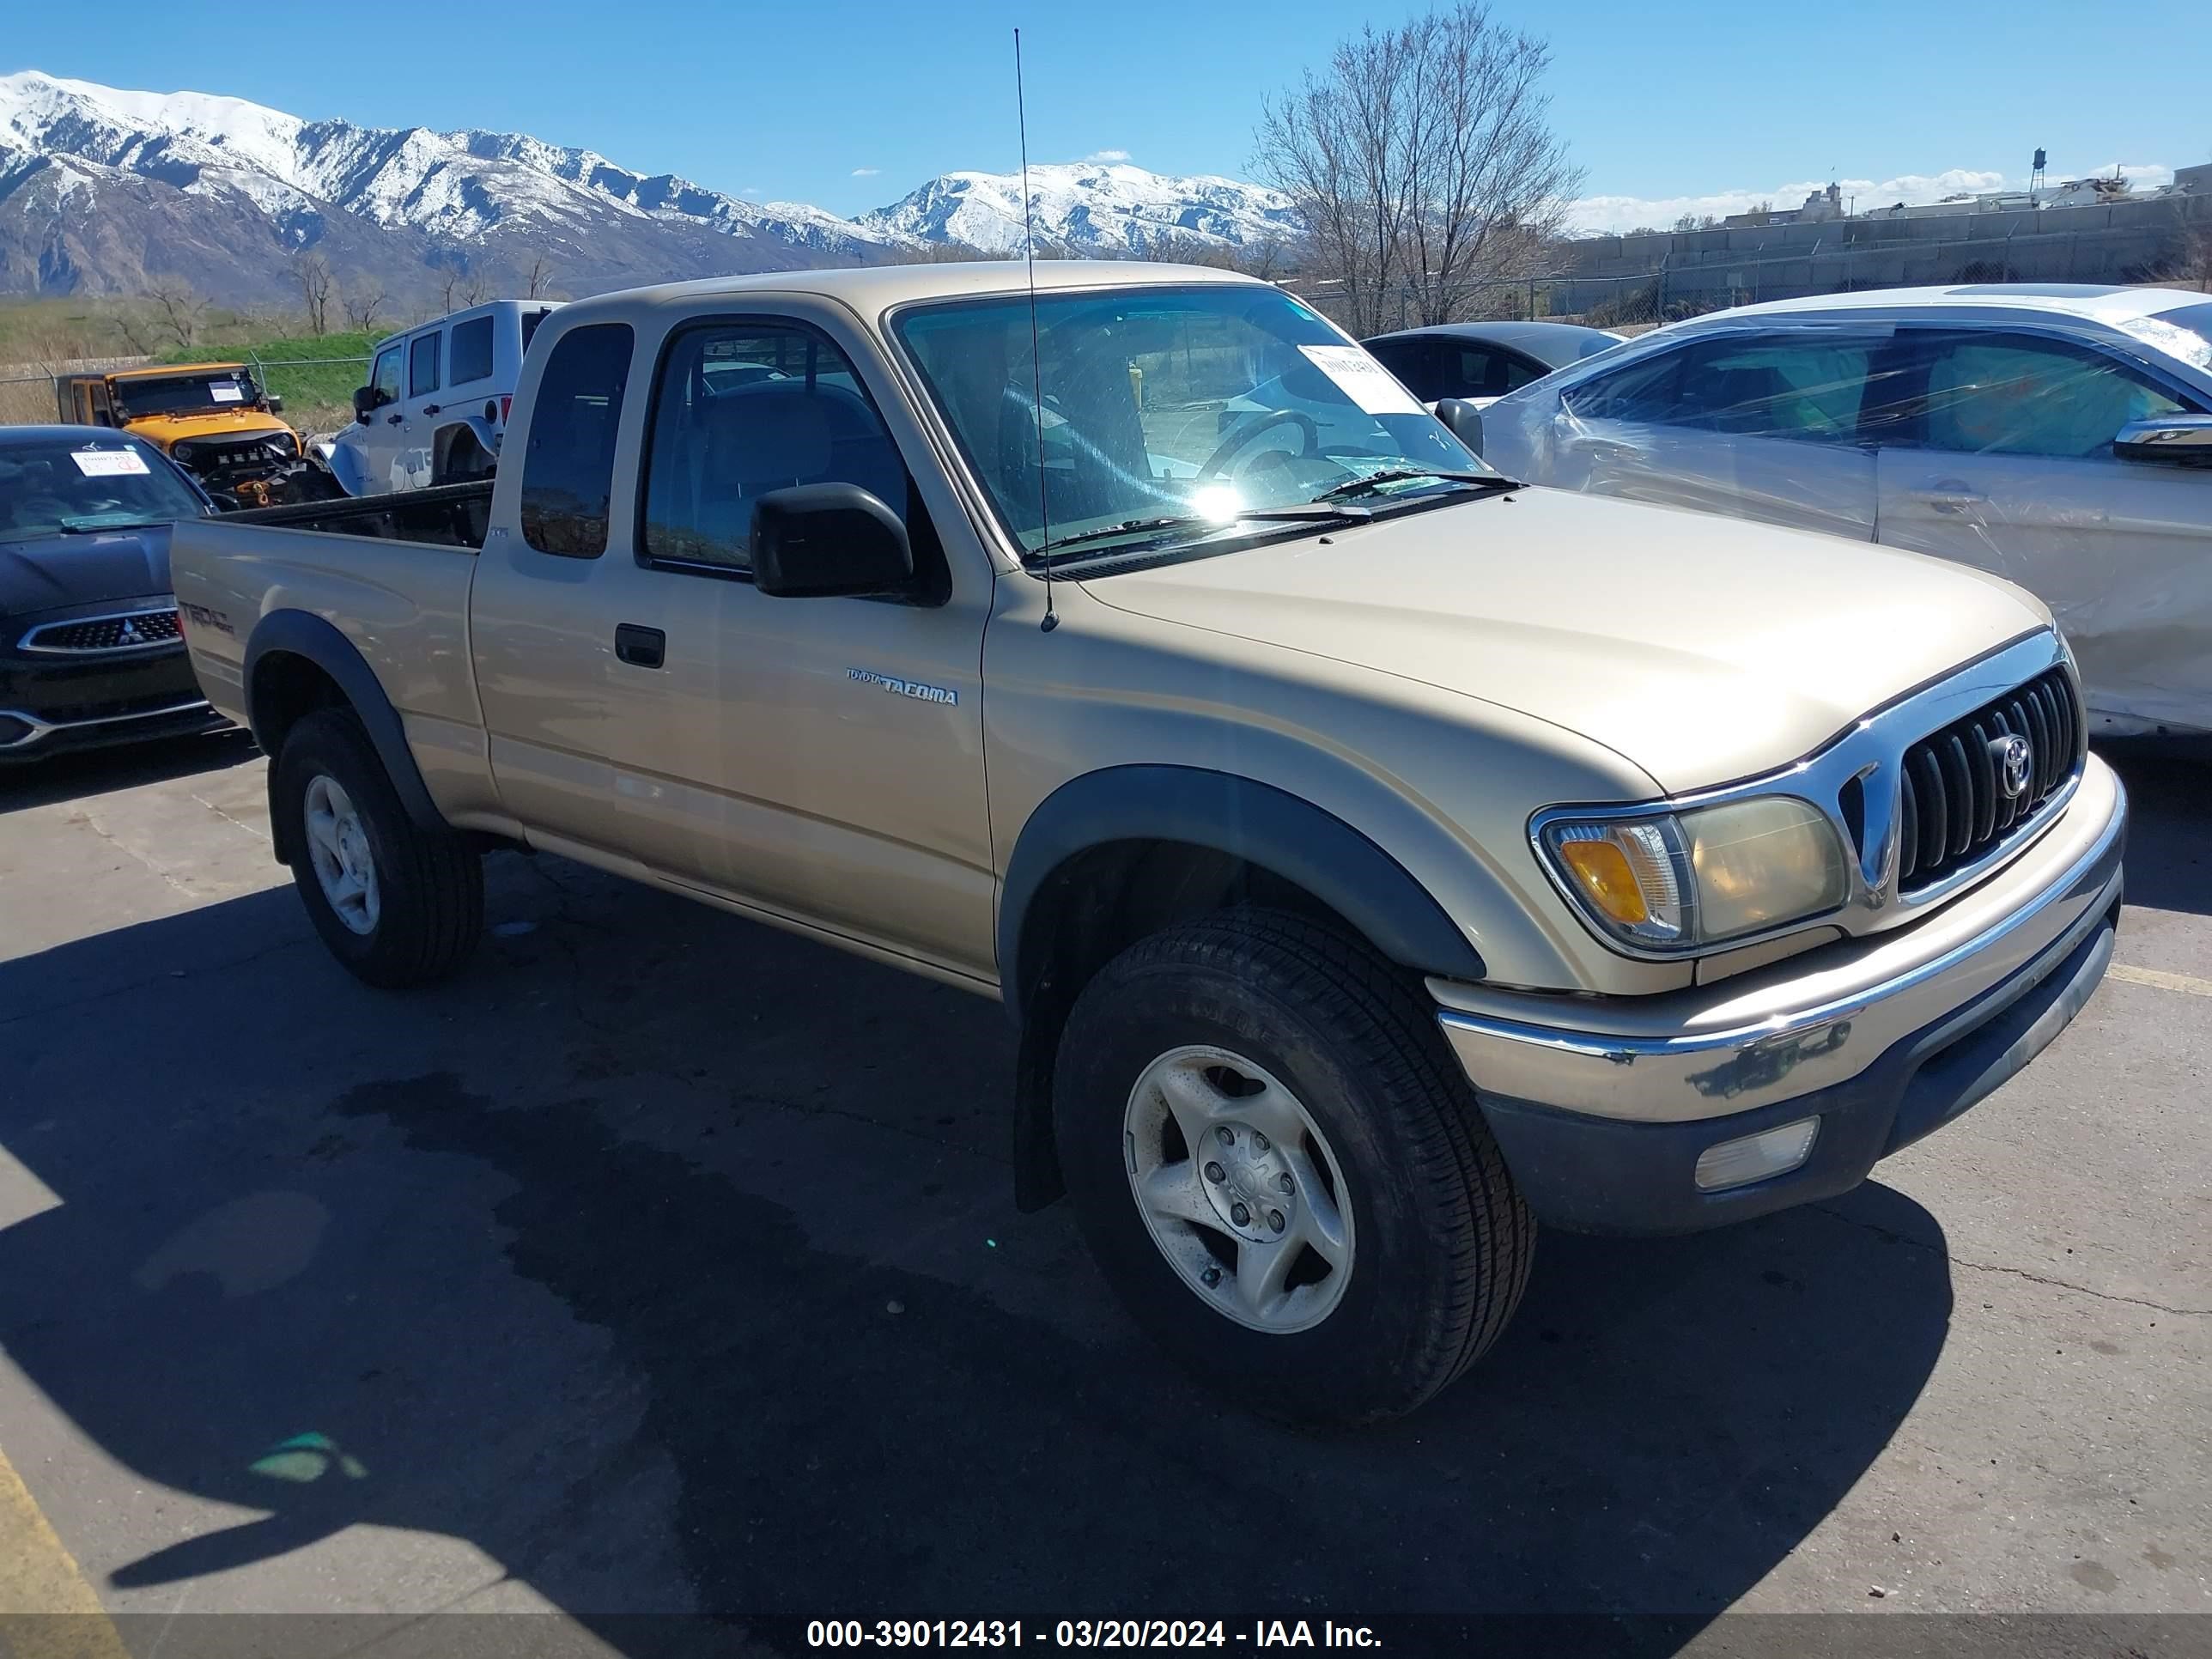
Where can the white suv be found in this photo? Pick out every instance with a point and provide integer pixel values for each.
(436, 404)
(2058, 436)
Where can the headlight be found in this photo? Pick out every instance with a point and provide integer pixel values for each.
(1680, 881)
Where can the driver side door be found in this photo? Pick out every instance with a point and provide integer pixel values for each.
(376, 440)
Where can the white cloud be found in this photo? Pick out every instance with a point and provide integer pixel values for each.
(1601, 215)
(866, 172)
(1108, 156)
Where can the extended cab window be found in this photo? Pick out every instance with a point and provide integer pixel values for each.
(469, 358)
(567, 474)
(743, 409)
(386, 378)
(423, 365)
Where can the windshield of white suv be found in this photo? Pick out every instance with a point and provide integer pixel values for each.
(1173, 416)
(2184, 332)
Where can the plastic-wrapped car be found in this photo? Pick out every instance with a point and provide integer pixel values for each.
(2058, 436)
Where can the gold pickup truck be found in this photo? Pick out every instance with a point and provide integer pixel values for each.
(1376, 857)
(212, 419)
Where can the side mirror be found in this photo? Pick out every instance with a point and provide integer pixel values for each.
(364, 403)
(1463, 419)
(2169, 441)
(275, 405)
(827, 541)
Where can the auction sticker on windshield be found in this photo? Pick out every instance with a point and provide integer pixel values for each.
(108, 463)
(1361, 378)
(227, 394)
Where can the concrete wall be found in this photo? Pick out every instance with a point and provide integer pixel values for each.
(2115, 243)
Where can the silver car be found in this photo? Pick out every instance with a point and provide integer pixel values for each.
(2058, 436)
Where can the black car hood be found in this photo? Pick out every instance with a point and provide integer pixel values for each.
(51, 572)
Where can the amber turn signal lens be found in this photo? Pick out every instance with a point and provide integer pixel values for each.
(1602, 870)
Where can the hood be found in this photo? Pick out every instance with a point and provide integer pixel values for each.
(166, 429)
(57, 571)
(1703, 649)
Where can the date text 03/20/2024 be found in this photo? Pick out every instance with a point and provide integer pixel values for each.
(1084, 1633)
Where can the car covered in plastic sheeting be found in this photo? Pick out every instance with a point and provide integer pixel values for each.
(2059, 436)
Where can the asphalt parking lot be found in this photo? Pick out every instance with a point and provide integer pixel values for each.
(665, 1264)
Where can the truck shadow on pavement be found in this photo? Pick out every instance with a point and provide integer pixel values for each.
(669, 1261)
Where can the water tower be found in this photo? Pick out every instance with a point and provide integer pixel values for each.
(2035, 179)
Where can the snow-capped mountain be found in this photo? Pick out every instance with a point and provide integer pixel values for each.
(1085, 207)
(104, 191)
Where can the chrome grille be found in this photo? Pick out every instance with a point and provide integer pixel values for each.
(1954, 807)
(138, 630)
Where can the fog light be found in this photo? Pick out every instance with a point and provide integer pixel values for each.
(1755, 1157)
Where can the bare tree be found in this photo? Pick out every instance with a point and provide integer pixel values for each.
(446, 289)
(473, 288)
(312, 273)
(136, 330)
(541, 277)
(1423, 162)
(182, 314)
(360, 310)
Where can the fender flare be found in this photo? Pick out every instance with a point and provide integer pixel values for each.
(1255, 822)
(346, 463)
(449, 434)
(302, 633)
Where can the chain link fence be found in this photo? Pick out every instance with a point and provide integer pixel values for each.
(318, 392)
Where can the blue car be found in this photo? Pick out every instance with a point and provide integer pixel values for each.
(91, 651)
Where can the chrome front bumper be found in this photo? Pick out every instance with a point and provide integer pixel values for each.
(1804, 1023)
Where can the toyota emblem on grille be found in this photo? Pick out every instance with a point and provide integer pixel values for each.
(2015, 763)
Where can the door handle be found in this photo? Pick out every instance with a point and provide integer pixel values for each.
(392, 420)
(1949, 497)
(430, 409)
(640, 648)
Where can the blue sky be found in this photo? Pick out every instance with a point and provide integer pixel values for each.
(1704, 104)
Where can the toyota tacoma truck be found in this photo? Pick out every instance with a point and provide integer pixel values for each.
(1377, 858)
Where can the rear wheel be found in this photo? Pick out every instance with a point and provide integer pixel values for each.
(1281, 1170)
(397, 904)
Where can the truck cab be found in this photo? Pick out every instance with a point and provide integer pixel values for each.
(435, 409)
(212, 419)
(1376, 857)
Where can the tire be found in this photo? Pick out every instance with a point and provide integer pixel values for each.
(419, 911)
(1237, 1015)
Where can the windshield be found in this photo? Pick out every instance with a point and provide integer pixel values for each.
(49, 486)
(2184, 332)
(204, 392)
(1169, 412)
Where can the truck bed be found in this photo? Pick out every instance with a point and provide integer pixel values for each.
(393, 573)
(448, 515)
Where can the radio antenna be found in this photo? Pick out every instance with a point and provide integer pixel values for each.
(1036, 356)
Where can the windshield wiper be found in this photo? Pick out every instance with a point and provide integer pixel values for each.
(1305, 512)
(1373, 481)
(92, 522)
(1126, 527)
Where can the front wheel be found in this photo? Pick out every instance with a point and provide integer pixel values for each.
(1281, 1171)
(399, 905)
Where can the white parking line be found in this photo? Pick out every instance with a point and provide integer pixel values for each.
(2185, 984)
